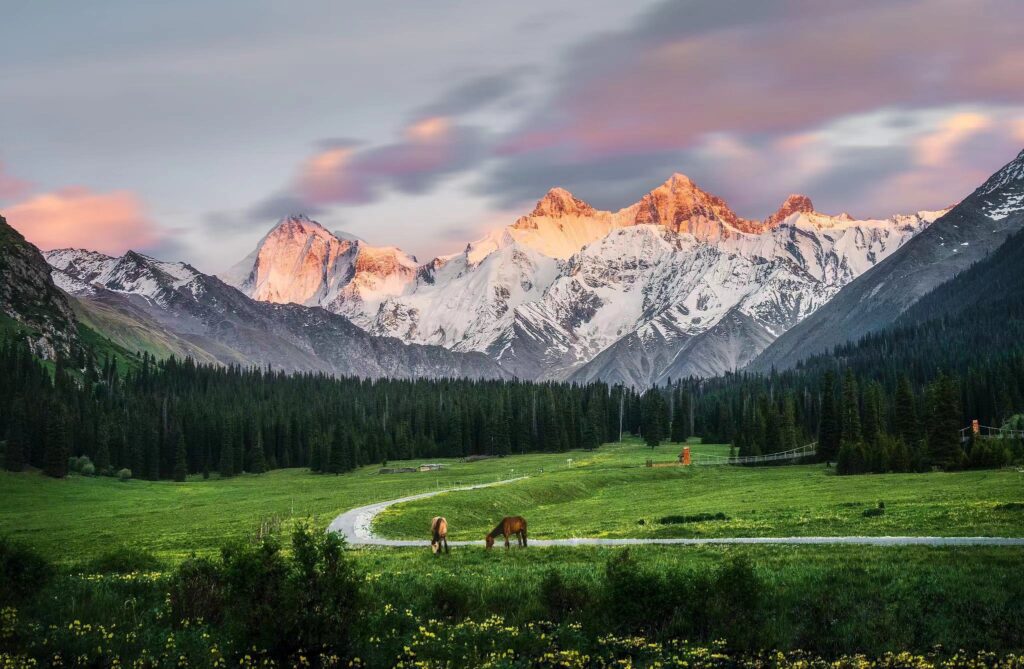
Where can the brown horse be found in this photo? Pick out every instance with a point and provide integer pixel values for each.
(438, 534)
(508, 526)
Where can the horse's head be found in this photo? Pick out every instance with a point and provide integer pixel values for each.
(435, 546)
(489, 541)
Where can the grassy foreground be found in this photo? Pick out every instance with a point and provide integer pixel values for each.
(585, 606)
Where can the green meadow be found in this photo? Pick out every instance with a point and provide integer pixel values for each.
(608, 492)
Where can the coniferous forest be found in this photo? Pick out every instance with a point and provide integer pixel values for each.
(873, 406)
(172, 418)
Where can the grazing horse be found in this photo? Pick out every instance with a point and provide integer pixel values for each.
(438, 535)
(508, 526)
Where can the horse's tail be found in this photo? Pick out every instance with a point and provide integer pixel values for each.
(435, 528)
(524, 532)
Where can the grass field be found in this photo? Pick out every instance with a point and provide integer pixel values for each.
(611, 494)
(828, 600)
(600, 493)
(78, 518)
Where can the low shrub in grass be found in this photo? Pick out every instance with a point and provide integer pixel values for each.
(124, 474)
(196, 591)
(23, 572)
(562, 599)
(450, 600)
(692, 518)
(1010, 506)
(124, 560)
(875, 512)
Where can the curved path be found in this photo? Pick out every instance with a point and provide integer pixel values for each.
(356, 525)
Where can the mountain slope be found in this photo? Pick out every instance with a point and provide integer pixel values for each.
(172, 305)
(29, 296)
(965, 235)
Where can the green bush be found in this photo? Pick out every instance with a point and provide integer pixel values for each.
(196, 591)
(693, 518)
(124, 474)
(309, 602)
(23, 572)
(88, 469)
(450, 600)
(123, 560)
(561, 599)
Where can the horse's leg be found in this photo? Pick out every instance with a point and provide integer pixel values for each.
(524, 537)
(506, 542)
(446, 544)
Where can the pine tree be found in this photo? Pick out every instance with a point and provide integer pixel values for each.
(681, 417)
(226, 467)
(14, 458)
(829, 433)
(905, 413)
(944, 422)
(176, 442)
(103, 448)
(257, 459)
(339, 444)
(850, 423)
(56, 452)
(653, 417)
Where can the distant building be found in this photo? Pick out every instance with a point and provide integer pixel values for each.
(429, 467)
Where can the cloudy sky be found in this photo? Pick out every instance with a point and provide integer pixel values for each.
(186, 129)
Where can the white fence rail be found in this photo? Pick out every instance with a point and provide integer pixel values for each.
(792, 454)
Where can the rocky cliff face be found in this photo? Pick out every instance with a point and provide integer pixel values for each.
(29, 296)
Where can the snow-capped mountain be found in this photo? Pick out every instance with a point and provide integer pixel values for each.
(172, 308)
(300, 261)
(674, 284)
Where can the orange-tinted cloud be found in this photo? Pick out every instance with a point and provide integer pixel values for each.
(429, 148)
(77, 217)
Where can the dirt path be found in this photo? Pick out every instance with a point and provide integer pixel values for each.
(356, 525)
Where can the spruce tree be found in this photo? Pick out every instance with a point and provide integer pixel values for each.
(339, 444)
(177, 442)
(257, 459)
(56, 451)
(905, 413)
(653, 417)
(850, 423)
(829, 434)
(103, 448)
(14, 457)
(944, 422)
(681, 417)
(226, 466)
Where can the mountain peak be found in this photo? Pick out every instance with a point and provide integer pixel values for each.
(795, 203)
(677, 202)
(297, 222)
(559, 202)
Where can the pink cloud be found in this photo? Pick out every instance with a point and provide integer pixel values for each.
(662, 85)
(11, 187)
(77, 217)
(428, 149)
